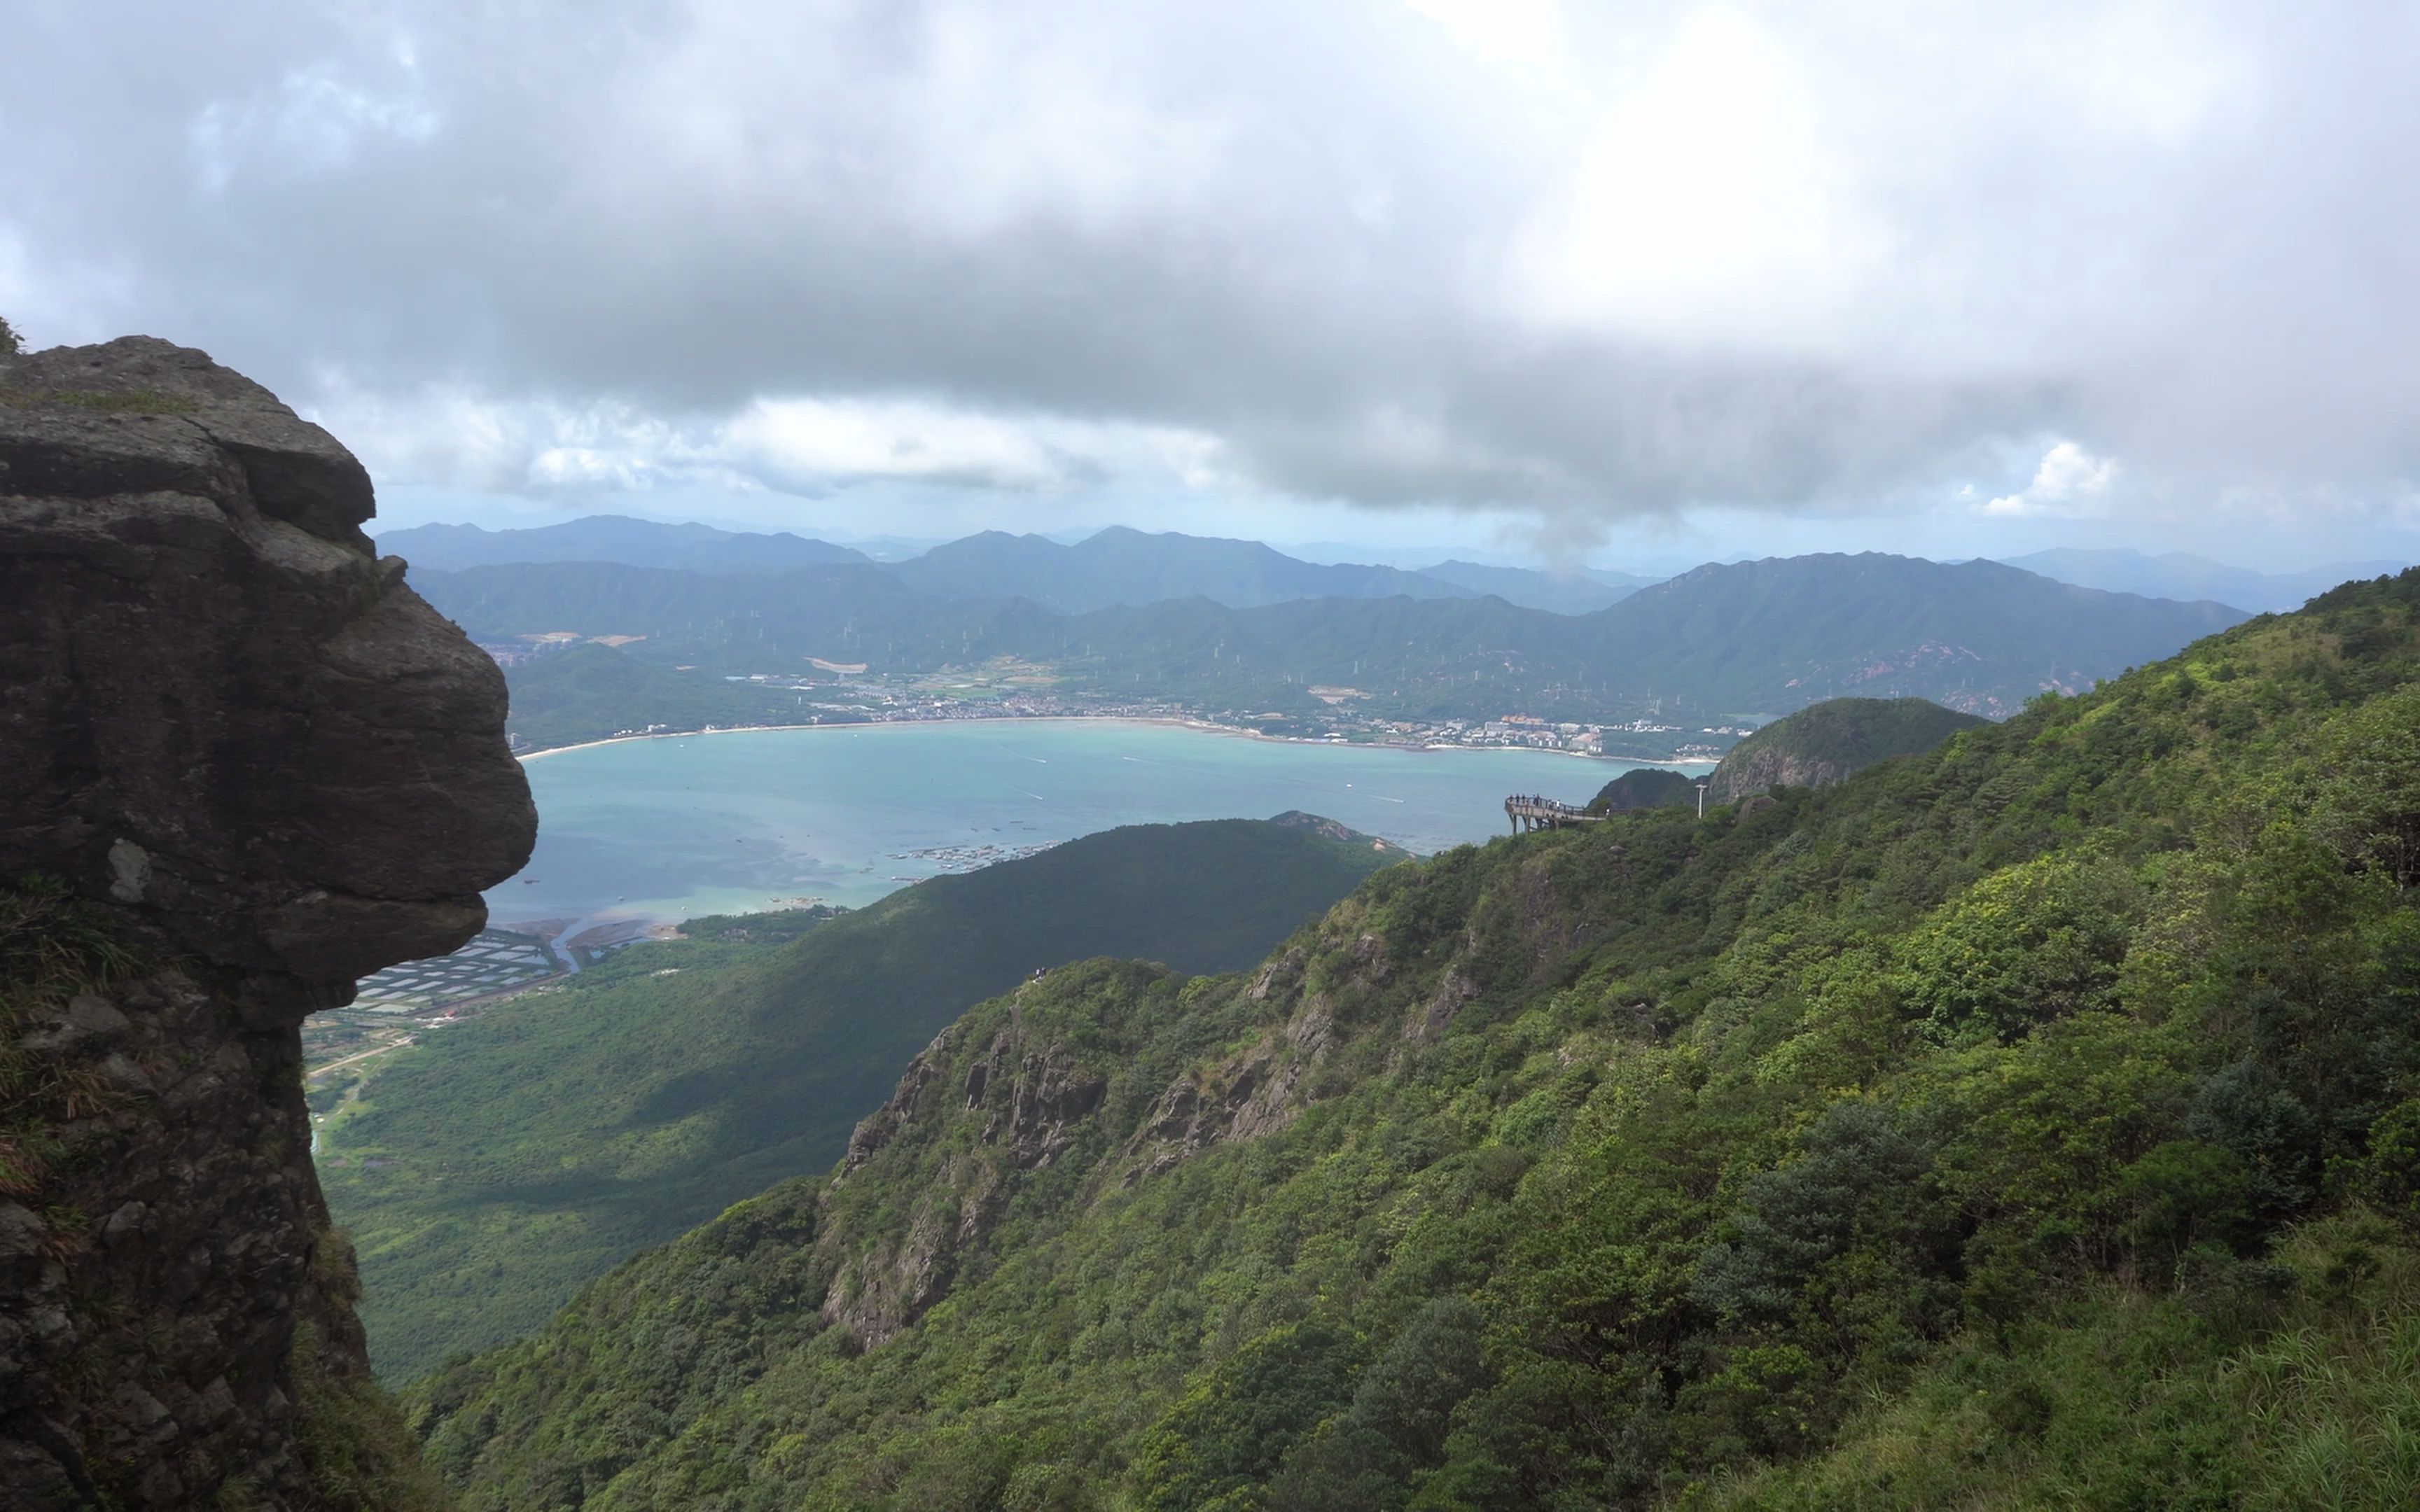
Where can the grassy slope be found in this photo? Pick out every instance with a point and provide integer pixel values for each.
(533, 1149)
(2027, 1123)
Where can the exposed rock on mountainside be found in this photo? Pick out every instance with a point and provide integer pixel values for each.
(1025, 1087)
(1824, 742)
(246, 765)
(1646, 787)
(1021, 1100)
(1330, 829)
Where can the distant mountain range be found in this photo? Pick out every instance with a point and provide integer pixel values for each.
(1583, 592)
(1761, 638)
(1115, 566)
(1784, 632)
(1125, 566)
(1119, 565)
(2183, 575)
(644, 543)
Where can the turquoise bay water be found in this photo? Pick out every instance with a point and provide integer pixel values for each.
(727, 823)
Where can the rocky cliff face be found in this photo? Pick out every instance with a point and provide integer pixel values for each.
(252, 765)
(1021, 1101)
(1028, 1083)
(1746, 772)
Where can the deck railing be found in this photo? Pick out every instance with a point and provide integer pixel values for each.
(1530, 812)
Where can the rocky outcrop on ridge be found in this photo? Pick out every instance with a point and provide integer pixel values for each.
(1823, 743)
(241, 749)
(1022, 1103)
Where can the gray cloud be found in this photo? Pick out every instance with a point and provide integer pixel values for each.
(1621, 261)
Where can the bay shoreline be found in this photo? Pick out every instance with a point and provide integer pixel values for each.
(1204, 726)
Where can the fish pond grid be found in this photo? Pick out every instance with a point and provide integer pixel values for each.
(497, 960)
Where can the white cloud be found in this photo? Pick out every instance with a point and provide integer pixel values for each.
(1562, 259)
(2071, 482)
(2070, 471)
(810, 444)
(448, 435)
(1714, 200)
(1520, 32)
(313, 120)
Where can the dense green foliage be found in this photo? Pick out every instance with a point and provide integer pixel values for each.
(1644, 787)
(772, 928)
(1826, 742)
(356, 1447)
(2028, 1122)
(1855, 732)
(499, 1164)
(1758, 637)
(589, 692)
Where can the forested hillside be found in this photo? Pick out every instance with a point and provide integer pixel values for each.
(590, 692)
(489, 1171)
(2028, 1122)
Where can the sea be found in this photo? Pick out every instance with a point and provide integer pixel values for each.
(747, 820)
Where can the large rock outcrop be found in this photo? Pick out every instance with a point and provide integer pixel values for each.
(237, 746)
(1823, 743)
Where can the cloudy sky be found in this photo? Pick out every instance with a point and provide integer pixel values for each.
(1546, 278)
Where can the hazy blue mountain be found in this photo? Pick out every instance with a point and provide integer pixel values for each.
(1771, 635)
(1744, 638)
(1068, 572)
(2183, 575)
(894, 548)
(846, 611)
(1119, 565)
(1580, 593)
(639, 543)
